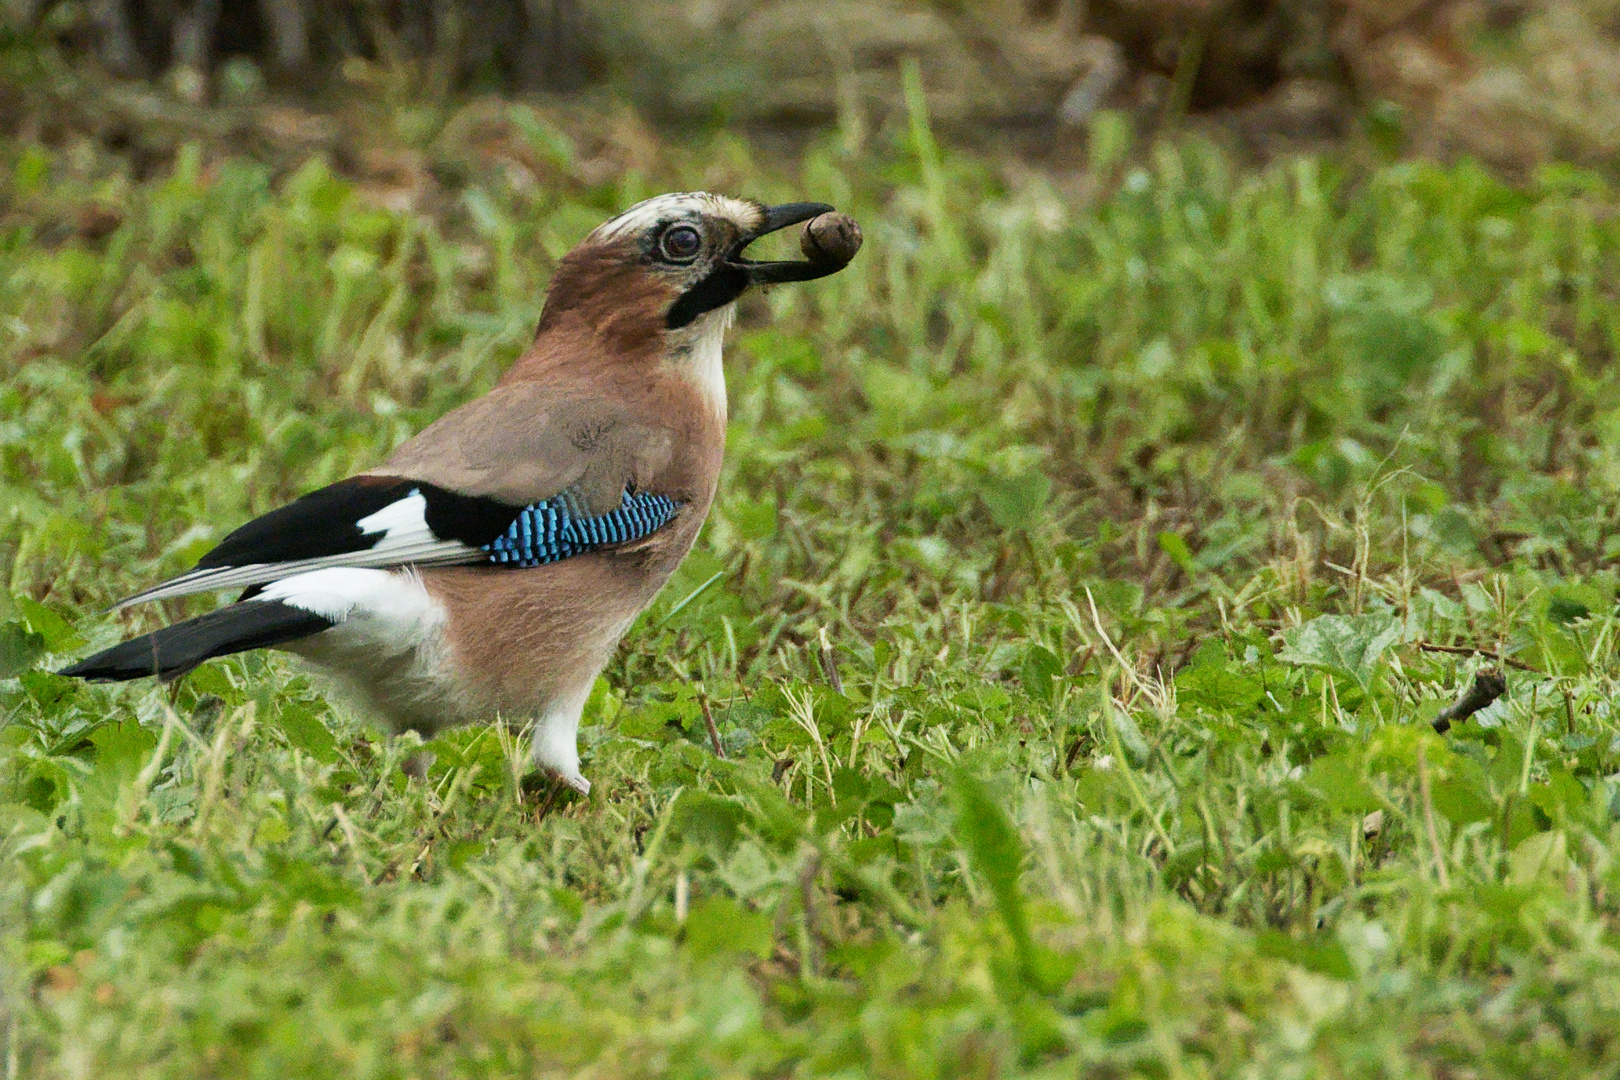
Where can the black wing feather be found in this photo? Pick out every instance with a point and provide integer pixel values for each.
(324, 529)
(326, 522)
(171, 652)
(312, 526)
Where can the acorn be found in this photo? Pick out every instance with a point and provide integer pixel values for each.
(830, 239)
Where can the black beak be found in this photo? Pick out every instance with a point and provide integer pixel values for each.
(772, 273)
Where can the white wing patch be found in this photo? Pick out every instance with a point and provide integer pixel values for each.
(401, 522)
(341, 593)
(406, 540)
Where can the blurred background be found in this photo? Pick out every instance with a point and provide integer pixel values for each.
(1510, 81)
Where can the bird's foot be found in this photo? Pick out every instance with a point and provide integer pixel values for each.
(547, 785)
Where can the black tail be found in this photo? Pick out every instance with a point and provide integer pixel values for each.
(171, 652)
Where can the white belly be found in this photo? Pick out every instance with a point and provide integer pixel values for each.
(387, 647)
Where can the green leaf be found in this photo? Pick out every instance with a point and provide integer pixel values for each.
(1015, 502)
(1337, 778)
(1109, 139)
(1173, 545)
(39, 955)
(894, 395)
(1349, 645)
(753, 520)
(1560, 796)
(993, 847)
(462, 852)
(1324, 955)
(1130, 734)
(19, 648)
(719, 925)
(122, 749)
(604, 703)
(1570, 603)
(1217, 687)
(850, 785)
(709, 821)
(58, 635)
(304, 731)
(306, 881)
(1461, 803)
(1040, 672)
(33, 165)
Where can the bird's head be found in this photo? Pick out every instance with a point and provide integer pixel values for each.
(665, 273)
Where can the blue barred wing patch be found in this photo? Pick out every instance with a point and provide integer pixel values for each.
(555, 528)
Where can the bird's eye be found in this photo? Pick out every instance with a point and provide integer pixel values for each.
(681, 243)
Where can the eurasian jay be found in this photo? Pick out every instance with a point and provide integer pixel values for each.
(490, 566)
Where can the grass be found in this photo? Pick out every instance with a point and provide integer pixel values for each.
(1072, 619)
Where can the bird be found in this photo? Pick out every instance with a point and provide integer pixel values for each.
(489, 567)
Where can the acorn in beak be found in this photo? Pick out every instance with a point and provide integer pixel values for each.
(830, 241)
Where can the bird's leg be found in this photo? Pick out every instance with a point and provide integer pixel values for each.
(551, 797)
(555, 745)
(416, 765)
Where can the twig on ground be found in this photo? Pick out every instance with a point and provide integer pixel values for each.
(1136, 680)
(1474, 650)
(829, 664)
(551, 797)
(1074, 752)
(708, 722)
(1488, 685)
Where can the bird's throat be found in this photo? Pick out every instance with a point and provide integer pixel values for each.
(695, 355)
